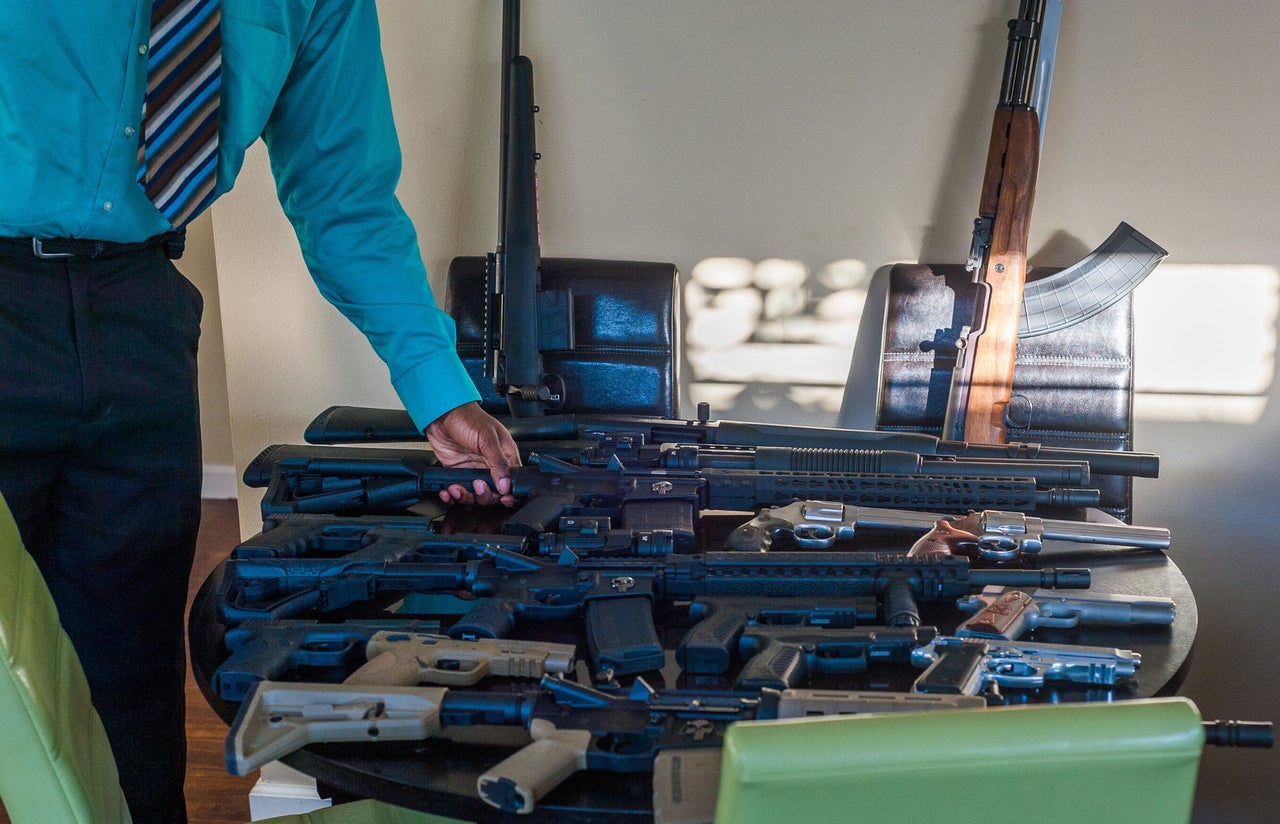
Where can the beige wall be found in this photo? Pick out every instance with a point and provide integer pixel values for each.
(810, 131)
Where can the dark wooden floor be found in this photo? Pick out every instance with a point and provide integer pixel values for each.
(213, 795)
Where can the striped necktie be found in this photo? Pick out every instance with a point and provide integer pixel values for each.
(178, 150)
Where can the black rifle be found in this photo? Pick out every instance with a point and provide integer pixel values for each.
(573, 727)
(614, 595)
(349, 424)
(317, 480)
(523, 320)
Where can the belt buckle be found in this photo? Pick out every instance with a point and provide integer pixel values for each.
(37, 246)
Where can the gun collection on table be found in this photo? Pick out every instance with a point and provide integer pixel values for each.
(748, 580)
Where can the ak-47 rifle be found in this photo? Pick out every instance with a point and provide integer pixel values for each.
(982, 382)
(981, 406)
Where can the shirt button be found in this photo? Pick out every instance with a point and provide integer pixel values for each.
(129, 131)
(106, 207)
(142, 48)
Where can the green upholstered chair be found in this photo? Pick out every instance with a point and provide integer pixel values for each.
(1124, 762)
(56, 766)
(367, 811)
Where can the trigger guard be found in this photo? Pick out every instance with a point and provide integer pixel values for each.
(814, 536)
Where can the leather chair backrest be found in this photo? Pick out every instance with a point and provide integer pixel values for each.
(1079, 380)
(626, 327)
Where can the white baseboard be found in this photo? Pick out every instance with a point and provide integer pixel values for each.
(219, 481)
(282, 790)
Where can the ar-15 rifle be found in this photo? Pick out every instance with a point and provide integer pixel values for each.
(615, 595)
(573, 727)
(315, 480)
(350, 424)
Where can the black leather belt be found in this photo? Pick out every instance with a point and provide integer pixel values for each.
(173, 242)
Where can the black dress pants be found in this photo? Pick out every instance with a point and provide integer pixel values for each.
(100, 463)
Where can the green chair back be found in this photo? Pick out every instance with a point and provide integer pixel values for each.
(56, 765)
(361, 812)
(1125, 762)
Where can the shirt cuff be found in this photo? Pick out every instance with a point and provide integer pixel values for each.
(433, 387)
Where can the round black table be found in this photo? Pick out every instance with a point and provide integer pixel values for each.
(440, 775)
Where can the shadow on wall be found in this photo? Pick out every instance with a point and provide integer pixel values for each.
(769, 341)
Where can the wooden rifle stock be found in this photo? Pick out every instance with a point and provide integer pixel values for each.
(982, 382)
(1008, 193)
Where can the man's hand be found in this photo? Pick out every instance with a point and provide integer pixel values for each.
(467, 436)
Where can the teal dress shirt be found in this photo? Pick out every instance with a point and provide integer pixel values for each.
(307, 77)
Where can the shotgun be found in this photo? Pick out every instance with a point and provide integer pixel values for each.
(524, 320)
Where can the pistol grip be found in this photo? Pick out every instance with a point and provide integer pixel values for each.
(389, 669)
(778, 666)
(516, 784)
(707, 649)
(491, 618)
(957, 671)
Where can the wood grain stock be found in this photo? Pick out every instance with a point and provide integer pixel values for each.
(1008, 189)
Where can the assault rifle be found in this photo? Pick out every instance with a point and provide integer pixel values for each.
(350, 424)
(981, 384)
(614, 596)
(306, 479)
(573, 727)
(981, 406)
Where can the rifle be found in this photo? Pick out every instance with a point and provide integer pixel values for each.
(351, 424)
(982, 381)
(314, 480)
(614, 596)
(573, 727)
(523, 320)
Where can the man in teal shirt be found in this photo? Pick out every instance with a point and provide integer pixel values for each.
(99, 429)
